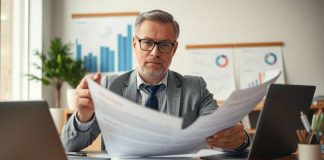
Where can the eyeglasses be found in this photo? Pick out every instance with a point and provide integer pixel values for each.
(148, 45)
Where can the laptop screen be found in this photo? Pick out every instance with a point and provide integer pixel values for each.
(277, 124)
(27, 131)
(279, 119)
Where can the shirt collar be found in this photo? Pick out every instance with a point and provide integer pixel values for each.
(140, 81)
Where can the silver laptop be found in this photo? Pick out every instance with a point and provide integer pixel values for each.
(277, 124)
(27, 131)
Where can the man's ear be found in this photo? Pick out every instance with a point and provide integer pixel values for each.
(134, 42)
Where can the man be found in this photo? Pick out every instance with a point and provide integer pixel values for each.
(153, 85)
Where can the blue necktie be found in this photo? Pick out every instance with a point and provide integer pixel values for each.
(152, 101)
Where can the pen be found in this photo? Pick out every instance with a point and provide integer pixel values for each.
(319, 122)
(299, 136)
(310, 137)
(313, 122)
(305, 121)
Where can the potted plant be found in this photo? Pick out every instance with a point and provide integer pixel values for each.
(58, 67)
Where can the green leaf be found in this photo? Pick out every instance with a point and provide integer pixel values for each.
(57, 65)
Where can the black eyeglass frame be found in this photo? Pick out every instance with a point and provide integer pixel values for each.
(155, 43)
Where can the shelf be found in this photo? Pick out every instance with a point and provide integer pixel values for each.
(259, 106)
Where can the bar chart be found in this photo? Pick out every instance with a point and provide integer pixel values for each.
(111, 58)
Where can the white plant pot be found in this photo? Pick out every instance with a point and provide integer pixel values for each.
(70, 98)
(58, 118)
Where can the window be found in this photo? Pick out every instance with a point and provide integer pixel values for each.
(6, 50)
(17, 46)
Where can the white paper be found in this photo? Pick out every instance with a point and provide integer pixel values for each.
(201, 153)
(129, 129)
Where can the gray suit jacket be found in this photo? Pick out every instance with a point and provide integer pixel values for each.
(187, 96)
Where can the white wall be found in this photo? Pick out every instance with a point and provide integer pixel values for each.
(48, 92)
(298, 23)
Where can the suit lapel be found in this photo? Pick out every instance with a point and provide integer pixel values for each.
(173, 94)
(130, 88)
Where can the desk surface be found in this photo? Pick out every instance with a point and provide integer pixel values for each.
(290, 157)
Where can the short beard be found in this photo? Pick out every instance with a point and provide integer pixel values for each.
(154, 75)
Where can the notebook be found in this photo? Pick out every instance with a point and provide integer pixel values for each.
(27, 131)
(278, 121)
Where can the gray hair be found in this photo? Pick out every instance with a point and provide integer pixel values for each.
(158, 16)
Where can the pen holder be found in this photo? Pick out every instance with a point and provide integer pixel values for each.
(309, 152)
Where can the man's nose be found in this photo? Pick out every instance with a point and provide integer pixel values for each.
(155, 52)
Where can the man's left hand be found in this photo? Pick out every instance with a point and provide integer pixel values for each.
(228, 139)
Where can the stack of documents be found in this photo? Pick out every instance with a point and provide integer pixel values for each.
(129, 129)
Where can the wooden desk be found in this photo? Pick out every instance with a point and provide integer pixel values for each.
(289, 157)
(293, 157)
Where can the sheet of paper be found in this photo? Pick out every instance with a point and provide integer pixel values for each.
(239, 104)
(201, 153)
(129, 129)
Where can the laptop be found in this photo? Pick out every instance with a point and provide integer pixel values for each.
(277, 124)
(27, 131)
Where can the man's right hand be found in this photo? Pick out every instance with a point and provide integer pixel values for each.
(83, 100)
